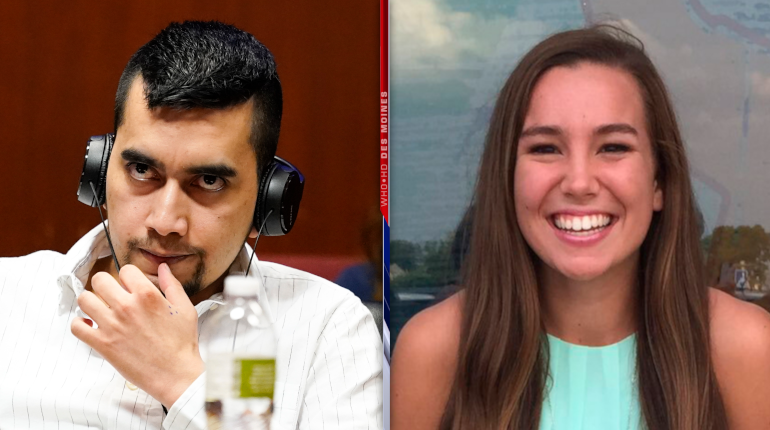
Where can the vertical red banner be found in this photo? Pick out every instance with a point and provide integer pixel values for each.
(384, 111)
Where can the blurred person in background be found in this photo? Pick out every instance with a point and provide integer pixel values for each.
(365, 279)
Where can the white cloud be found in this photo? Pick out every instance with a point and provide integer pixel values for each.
(429, 33)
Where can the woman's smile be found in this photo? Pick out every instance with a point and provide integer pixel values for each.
(582, 230)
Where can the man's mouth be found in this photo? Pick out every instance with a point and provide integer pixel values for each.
(582, 225)
(158, 257)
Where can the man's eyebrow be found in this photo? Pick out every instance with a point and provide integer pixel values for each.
(133, 155)
(221, 170)
(616, 128)
(542, 130)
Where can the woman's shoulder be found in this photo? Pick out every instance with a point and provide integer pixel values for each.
(740, 336)
(738, 326)
(431, 339)
(424, 363)
(436, 328)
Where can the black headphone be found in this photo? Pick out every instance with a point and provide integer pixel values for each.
(280, 187)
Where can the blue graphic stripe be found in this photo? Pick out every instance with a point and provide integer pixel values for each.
(386, 271)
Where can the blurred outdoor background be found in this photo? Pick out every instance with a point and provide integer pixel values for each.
(449, 58)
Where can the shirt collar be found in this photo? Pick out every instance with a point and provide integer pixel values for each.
(94, 245)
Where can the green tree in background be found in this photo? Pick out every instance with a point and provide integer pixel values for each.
(425, 265)
(406, 254)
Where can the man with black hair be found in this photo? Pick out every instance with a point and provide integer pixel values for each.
(197, 117)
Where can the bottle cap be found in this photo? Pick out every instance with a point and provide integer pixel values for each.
(238, 285)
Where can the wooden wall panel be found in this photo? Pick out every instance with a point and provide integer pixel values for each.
(59, 67)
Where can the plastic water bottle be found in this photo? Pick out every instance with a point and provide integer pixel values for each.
(240, 370)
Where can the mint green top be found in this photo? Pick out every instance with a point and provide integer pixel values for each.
(591, 388)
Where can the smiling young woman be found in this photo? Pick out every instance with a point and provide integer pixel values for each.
(584, 303)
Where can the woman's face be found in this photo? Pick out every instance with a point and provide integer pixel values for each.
(585, 187)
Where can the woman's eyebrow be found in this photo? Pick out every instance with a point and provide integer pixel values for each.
(542, 130)
(620, 127)
(552, 130)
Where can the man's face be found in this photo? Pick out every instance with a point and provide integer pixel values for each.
(181, 189)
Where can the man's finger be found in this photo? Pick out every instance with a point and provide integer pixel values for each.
(133, 280)
(171, 287)
(94, 307)
(107, 289)
(83, 331)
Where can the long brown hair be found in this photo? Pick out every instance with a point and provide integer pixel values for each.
(503, 358)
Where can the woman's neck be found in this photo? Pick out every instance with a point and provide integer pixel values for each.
(595, 312)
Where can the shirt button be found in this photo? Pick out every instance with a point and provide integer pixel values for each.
(131, 386)
(214, 306)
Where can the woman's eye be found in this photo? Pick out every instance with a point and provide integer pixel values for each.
(210, 182)
(140, 171)
(615, 148)
(543, 149)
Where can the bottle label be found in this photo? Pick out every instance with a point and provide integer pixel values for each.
(257, 377)
(239, 391)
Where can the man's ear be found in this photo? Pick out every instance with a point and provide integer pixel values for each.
(657, 198)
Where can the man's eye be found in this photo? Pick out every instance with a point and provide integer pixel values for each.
(140, 171)
(615, 148)
(210, 182)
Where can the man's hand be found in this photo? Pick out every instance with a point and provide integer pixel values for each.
(151, 340)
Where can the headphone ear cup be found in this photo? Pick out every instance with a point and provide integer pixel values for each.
(280, 192)
(102, 187)
(95, 170)
(264, 182)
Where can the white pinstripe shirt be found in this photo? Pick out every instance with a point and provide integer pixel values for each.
(329, 354)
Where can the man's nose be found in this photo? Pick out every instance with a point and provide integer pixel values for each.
(169, 211)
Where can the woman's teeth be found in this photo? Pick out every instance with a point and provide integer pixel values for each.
(584, 223)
